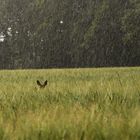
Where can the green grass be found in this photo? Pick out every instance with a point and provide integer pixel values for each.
(77, 104)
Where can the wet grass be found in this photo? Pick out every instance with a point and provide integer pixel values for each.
(77, 104)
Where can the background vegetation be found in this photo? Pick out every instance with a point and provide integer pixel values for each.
(77, 104)
(69, 33)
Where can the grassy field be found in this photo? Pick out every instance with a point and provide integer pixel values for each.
(77, 104)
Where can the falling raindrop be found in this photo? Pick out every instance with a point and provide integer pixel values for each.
(61, 22)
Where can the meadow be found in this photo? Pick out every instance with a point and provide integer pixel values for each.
(77, 104)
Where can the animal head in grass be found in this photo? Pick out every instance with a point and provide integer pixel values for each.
(42, 85)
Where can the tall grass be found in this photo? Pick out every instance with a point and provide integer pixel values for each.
(77, 104)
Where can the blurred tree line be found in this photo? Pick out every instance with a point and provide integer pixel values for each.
(69, 33)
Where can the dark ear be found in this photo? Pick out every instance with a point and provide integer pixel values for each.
(45, 83)
(38, 82)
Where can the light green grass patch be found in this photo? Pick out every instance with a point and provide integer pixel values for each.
(77, 104)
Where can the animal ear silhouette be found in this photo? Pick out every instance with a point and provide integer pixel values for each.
(38, 83)
(45, 83)
(42, 85)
